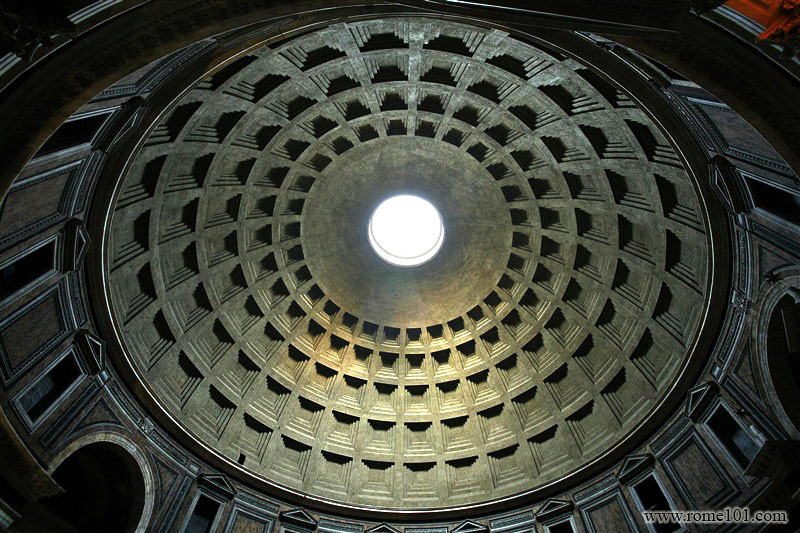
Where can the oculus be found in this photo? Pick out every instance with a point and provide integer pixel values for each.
(406, 230)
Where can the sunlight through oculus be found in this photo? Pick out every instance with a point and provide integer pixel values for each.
(406, 230)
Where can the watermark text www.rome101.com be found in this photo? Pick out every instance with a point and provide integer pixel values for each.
(729, 515)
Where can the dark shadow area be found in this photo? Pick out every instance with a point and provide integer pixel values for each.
(783, 354)
(103, 490)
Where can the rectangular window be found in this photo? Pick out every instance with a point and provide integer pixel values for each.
(203, 515)
(41, 397)
(560, 527)
(75, 132)
(23, 270)
(739, 443)
(775, 200)
(651, 497)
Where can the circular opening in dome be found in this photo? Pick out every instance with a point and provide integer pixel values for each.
(406, 230)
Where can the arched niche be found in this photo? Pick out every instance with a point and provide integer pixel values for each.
(783, 353)
(108, 485)
(777, 347)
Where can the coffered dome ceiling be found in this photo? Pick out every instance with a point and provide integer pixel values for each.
(565, 301)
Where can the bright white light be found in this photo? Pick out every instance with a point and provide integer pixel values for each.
(406, 230)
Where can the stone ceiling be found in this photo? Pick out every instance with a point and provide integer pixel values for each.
(564, 303)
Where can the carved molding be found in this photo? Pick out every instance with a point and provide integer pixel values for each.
(218, 484)
(699, 398)
(469, 527)
(632, 466)
(554, 508)
(95, 350)
(298, 517)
